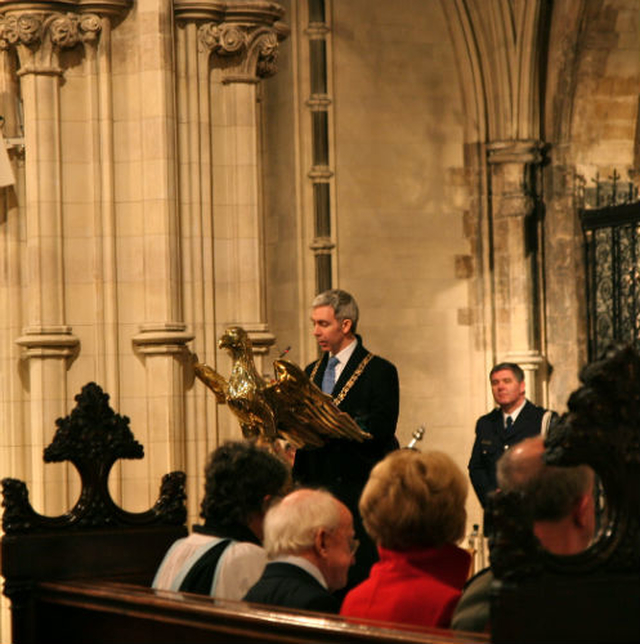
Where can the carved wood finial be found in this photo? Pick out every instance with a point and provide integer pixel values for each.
(93, 437)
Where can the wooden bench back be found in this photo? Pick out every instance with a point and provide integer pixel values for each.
(107, 612)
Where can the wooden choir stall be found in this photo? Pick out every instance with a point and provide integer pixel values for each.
(85, 576)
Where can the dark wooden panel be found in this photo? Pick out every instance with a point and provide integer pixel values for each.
(568, 610)
(131, 554)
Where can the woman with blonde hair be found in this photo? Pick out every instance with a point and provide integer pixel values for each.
(413, 507)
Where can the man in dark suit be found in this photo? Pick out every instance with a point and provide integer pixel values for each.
(309, 539)
(514, 419)
(365, 387)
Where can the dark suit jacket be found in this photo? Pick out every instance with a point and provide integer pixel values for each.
(343, 466)
(287, 585)
(491, 441)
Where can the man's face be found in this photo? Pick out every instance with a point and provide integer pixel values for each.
(332, 335)
(340, 552)
(507, 391)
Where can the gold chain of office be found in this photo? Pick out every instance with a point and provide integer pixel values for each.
(354, 376)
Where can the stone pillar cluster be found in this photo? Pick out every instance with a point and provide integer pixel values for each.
(514, 168)
(223, 50)
(37, 39)
(127, 248)
(499, 46)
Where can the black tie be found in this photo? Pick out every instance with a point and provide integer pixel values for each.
(509, 424)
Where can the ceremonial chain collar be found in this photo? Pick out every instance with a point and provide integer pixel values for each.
(354, 376)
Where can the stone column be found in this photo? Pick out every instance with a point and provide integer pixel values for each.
(514, 168)
(163, 335)
(48, 343)
(244, 50)
(196, 229)
(223, 49)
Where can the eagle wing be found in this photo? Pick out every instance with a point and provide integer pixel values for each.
(305, 415)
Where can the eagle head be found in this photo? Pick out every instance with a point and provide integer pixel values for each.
(236, 340)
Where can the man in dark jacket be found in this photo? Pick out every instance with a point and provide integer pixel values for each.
(365, 387)
(310, 543)
(514, 419)
(562, 506)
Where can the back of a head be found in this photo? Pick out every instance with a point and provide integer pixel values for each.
(415, 500)
(290, 526)
(343, 304)
(238, 477)
(550, 491)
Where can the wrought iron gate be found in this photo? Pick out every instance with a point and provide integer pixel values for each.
(612, 242)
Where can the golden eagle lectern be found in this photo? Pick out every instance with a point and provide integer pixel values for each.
(290, 407)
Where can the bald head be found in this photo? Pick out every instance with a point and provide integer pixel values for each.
(552, 491)
(560, 498)
(521, 464)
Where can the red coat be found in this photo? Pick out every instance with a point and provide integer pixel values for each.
(419, 587)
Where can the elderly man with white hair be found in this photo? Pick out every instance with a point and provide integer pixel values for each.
(309, 539)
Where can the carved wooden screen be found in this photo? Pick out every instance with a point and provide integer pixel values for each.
(612, 241)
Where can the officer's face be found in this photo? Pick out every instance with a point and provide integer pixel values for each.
(507, 391)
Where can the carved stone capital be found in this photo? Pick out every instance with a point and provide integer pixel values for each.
(38, 37)
(192, 10)
(253, 53)
(247, 40)
(322, 245)
(38, 31)
(48, 342)
(320, 173)
(514, 166)
(162, 339)
(104, 8)
(516, 151)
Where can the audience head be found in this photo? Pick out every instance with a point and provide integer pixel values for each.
(415, 500)
(241, 480)
(343, 304)
(314, 525)
(561, 498)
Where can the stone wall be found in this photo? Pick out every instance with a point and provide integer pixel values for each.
(404, 244)
(592, 129)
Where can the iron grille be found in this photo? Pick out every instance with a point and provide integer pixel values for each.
(611, 225)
